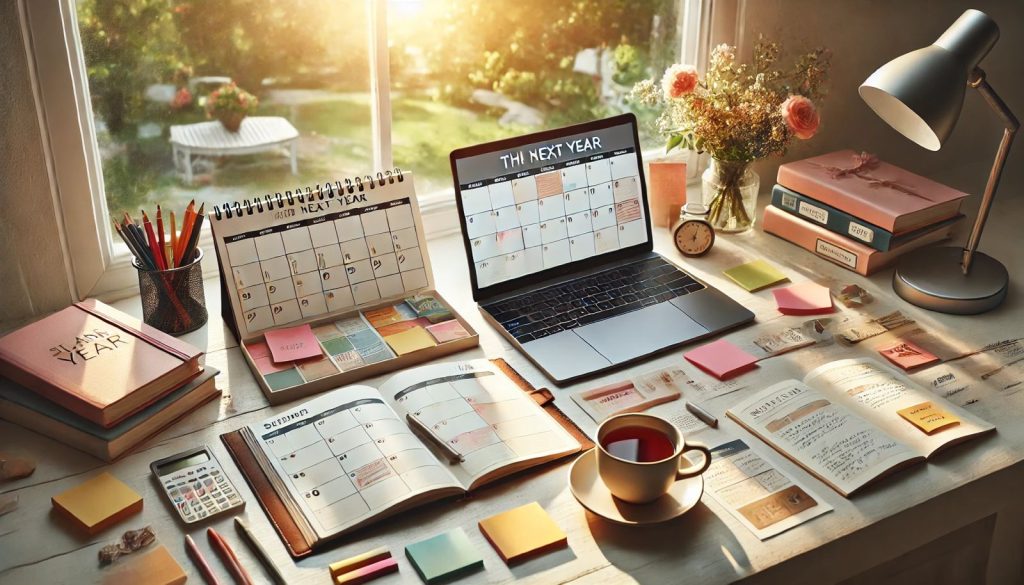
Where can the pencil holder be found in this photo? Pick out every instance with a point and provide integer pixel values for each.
(173, 299)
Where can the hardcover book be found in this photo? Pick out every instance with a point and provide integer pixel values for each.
(97, 362)
(879, 193)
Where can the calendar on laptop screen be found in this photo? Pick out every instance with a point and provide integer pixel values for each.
(546, 204)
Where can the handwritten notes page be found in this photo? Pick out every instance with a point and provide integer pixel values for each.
(482, 415)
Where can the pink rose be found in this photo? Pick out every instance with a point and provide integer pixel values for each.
(801, 116)
(679, 80)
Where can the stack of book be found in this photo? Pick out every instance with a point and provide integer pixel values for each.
(99, 380)
(857, 211)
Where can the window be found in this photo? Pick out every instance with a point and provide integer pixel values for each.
(365, 83)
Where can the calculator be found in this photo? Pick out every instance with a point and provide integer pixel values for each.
(196, 485)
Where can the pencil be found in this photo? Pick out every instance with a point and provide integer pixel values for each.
(228, 556)
(186, 231)
(131, 230)
(200, 561)
(153, 246)
(131, 245)
(174, 242)
(160, 235)
(193, 240)
(261, 553)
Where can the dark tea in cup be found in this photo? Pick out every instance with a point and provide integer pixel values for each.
(639, 444)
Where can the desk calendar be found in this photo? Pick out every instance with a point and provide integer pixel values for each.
(323, 255)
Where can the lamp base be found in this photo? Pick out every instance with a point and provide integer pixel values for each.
(931, 278)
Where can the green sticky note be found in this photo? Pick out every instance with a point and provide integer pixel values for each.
(755, 275)
(444, 557)
(284, 379)
(338, 345)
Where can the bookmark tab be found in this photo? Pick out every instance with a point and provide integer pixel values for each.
(293, 343)
(722, 359)
(928, 417)
(805, 298)
(755, 275)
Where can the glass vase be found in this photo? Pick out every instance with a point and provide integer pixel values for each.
(730, 194)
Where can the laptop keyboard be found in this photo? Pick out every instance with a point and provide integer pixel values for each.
(566, 306)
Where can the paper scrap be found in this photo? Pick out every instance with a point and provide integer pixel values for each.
(928, 417)
(853, 295)
(722, 359)
(805, 298)
(908, 355)
(994, 371)
(430, 307)
(633, 395)
(292, 343)
(756, 275)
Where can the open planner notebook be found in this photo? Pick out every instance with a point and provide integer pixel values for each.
(853, 421)
(353, 456)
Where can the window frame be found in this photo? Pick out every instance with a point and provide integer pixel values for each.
(99, 265)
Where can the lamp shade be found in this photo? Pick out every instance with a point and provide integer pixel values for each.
(920, 94)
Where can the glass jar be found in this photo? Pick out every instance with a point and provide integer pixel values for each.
(730, 194)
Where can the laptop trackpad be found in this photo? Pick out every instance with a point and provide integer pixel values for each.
(640, 332)
(564, 355)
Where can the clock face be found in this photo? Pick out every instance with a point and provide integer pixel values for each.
(694, 237)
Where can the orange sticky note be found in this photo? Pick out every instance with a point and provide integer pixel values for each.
(928, 417)
(292, 343)
(805, 298)
(908, 355)
(722, 359)
(522, 533)
(147, 567)
(98, 503)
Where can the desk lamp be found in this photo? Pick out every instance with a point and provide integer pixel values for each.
(920, 94)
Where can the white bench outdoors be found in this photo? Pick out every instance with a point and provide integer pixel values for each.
(257, 134)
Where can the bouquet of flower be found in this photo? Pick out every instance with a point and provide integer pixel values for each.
(739, 112)
(230, 104)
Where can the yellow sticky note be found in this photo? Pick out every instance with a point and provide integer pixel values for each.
(523, 532)
(755, 275)
(410, 340)
(155, 566)
(928, 417)
(98, 503)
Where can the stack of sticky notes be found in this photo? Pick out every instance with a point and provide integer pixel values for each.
(153, 567)
(362, 568)
(98, 503)
(444, 557)
(755, 275)
(522, 533)
(722, 359)
(805, 298)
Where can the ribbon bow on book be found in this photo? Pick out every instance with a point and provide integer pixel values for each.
(862, 163)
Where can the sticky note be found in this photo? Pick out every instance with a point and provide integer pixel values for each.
(908, 355)
(445, 556)
(359, 561)
(429, 307)
(382, 316)
(411, 340)
(805, 298)
(155, 566)
(316, 368)
(292, 343)
(402, 326)
(284, 379)
(522, 533)
(258, 349)
(266, 365)
(406, 311)
(721, 359)
(367, 573)
(98, 503)
(349, 360)
(326, 332)
(928, 417)
(338, 345)
(447, 331)
(755, 275)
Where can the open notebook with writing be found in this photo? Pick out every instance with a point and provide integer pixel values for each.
(352, 456)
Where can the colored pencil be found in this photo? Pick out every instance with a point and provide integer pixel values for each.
(160, 236)
(197, 557)
(228, 557)
(131, 245)
(193, 240)
(186, 231)
(261, 553)
(174, 242)
(153, 246)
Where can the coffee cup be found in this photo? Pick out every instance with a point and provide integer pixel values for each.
(640, 456)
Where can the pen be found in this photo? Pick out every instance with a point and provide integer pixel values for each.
(704, 416)
(197, 558)
(426, 433)
(228, 557)
(261, 553)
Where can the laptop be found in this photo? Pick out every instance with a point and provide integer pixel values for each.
(561, 256)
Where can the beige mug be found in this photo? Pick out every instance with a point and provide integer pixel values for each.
(640, 482)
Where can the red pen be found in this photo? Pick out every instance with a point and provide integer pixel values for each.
(228, 556)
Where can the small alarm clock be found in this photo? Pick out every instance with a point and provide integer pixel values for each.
(693, 236)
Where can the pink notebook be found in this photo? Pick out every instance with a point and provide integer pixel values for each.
(877, 192)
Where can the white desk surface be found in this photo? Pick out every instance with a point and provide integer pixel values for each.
(705, 546)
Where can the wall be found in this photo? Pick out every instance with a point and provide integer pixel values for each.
(865, 34)
(33, 279)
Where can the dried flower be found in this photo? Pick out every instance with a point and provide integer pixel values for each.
(130, 542)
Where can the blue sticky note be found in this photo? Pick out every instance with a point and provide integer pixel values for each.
(444, 557)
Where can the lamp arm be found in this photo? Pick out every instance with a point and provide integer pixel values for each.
(1011, 125)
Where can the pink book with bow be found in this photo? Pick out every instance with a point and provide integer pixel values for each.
(879, 193)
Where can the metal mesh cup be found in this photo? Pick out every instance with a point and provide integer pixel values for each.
(173, 299)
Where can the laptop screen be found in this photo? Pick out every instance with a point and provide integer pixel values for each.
(535, 205)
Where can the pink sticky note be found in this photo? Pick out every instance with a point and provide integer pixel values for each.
(258, 349)
(448, 331)
(368, 573)
(805, 298)
(907, 355)
(721, 359)
(293, 343)
(266, 365)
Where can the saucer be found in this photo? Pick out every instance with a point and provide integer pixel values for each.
(588, 488)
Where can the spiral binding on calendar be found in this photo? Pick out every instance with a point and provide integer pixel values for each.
(327, 190)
